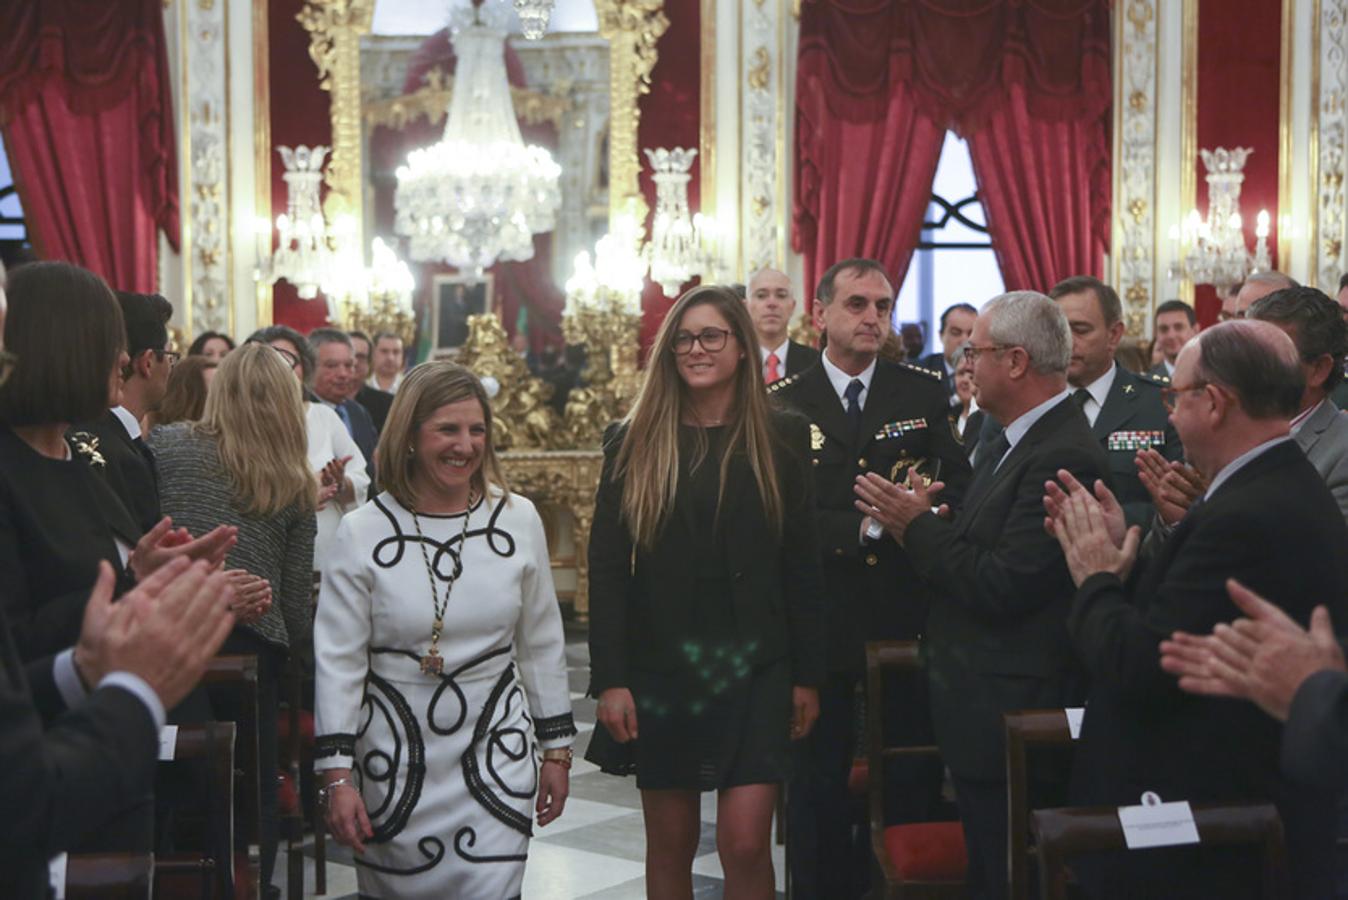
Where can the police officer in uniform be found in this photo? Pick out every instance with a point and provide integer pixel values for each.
(866, 415)
(1124, 410)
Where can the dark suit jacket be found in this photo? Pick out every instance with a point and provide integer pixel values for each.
(1315, 738)
(377, 403)
(61, 783)
(799, 357)
(873, 593)
(128, 470)
(997, 635)
(1132, 417)
(366, 437)
(638, 603)
(1274, 526)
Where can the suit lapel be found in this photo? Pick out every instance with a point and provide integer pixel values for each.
(1315, 426)
(820, 402)
(1047, 423)
(1119, 407)
(884, 383)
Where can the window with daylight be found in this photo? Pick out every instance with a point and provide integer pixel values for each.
(954, 262)
(13, 234)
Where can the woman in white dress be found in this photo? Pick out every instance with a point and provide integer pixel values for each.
(440, 660)
(333, 454)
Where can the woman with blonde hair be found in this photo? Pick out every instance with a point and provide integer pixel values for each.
(244, 464)
(705, 594)
(438, 649)
(185, 394)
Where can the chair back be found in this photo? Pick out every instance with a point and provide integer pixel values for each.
(212, 742)
(1026, 729)
(109, 876)
(1061, 834)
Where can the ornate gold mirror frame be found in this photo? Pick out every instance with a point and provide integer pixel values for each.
(565, 478)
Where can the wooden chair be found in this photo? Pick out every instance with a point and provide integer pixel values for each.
(297, 753)
(1061, 834)
(1025, 730)
(109, 876)
(926, 860)
(238, 674)
(202, 874)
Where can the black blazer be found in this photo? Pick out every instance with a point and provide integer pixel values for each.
(1132, 417)
(873, 591)
(1276, 528)
(62, 783)
(366, 437)
(58, 519)
(377, 403)
(997, 635)
(799, 357)
(129, 468)
(1315, 738)
(638, 608)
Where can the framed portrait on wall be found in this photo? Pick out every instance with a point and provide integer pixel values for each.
(456, 298)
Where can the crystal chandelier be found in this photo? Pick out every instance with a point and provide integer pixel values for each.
(480, 194)
(1213, 251)
(615, 278)
(681, 247)
(310, 254)
(384, 299)
(533, 17)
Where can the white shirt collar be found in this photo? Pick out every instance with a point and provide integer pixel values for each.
(1241, 462)
(1169, 367)
(128, 421)
(1305, 415)
(1025, 421)
(779, 351)
(392, 389)
(840, 379)
(1099, 391)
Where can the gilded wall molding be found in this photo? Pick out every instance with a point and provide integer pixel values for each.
(761, 125)
(1330, 160)
(335, 27)
(632, 28)
(204, 60)
(431, 102)
(1134, 249)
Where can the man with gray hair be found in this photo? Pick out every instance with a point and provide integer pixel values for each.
(1260, 284)
(995, 635)
(333, 380)
(1266, 519)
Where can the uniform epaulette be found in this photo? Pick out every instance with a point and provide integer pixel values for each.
(782, 382)
(921, 370)
(1156, 379)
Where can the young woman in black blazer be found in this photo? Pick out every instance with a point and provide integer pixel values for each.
(705, 594)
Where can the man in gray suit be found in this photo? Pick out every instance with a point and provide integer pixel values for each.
(1315, 324)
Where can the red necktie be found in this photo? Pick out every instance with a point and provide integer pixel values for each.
(773, 372)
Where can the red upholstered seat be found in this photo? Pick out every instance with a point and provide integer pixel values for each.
(306, 729)
(928, 851)
(287, 798)
(859, 777)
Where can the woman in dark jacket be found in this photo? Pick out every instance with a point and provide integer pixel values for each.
(704, 653)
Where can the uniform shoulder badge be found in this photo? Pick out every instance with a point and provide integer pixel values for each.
(782, 382)
(921, 370)
(1156, 379)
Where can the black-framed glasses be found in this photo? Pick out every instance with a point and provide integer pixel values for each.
(291, 359)
(1170, 395)
(172, 356)
(972, 351)
(7, 363)
(711, 339)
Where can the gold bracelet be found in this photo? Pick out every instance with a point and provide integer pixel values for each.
(560, 755)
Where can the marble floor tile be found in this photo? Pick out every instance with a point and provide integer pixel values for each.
(564, 873)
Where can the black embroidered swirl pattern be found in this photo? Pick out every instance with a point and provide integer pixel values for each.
(431, 847)
(389, 552)
(382, 767)
(489, 736)
(467, 835)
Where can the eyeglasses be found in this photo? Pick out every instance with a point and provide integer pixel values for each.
(1170, 395)
(171, 355)
(7, 363)
(291, 359)
(971, 352)
(711, 339)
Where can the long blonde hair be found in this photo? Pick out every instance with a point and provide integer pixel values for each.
(255, 412)
(648, 460)
(425, 389)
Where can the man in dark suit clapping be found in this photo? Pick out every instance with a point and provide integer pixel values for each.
(1266, 519)
(996, 635)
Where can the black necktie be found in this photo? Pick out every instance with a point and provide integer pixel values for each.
(148, 455)
(853, 397)
(1080, 396)
(989, 455)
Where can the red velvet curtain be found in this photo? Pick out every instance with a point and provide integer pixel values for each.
(878, 83)
(88, 126)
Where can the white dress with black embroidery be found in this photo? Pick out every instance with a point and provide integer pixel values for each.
(446, 763)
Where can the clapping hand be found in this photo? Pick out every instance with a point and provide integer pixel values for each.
(1173, 486)
(895, 506)
(331, 479)
(1264, 657)
(164, 543)
(1090, 529)
(252, 595)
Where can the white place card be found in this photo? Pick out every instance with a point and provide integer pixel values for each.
(1157, 824)
(168, 741)
(1074, 716)
(56, 869)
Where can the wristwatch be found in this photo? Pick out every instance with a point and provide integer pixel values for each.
(560, 755)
